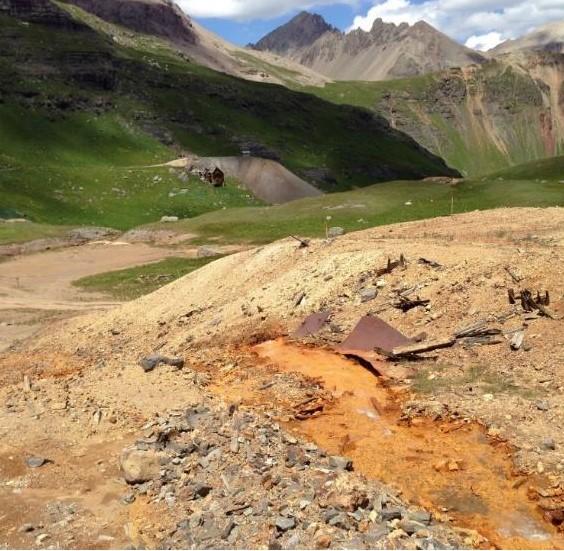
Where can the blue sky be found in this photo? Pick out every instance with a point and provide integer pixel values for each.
(480, 24)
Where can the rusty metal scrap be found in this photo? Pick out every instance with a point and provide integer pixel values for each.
(373, 333)
(529, 303)
(311, 325)
(392, 266)
(431, 263)
(405, 304)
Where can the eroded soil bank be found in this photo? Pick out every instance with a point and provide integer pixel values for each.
(453, 469)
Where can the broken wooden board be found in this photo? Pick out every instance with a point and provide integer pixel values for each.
(311, 325)
(421, 348)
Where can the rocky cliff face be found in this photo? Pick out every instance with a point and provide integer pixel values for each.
(302, 31)
(481, 119)
(39, 11)
(387, 51)
(162, 18)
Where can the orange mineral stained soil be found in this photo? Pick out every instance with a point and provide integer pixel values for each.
(451, 469)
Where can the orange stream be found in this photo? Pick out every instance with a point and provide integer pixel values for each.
(480, 492)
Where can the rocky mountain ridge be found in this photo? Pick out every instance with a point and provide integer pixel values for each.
(386, 51)
(548, 38)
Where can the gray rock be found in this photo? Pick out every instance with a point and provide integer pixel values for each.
(35, 462)
(340, 521)
(542, 405)
(391, 514)
(329, 514)
(26, 528)
(424, 517)
(366, 295)
(207, 252)
(128, 499)
(549, 444)
(149, 363)
(411, 526)
(201, 490)
(91, 234)
(335, 232)
(285, 523)
(228, 529)
(340, 463)
(234, 445)
(169, 219)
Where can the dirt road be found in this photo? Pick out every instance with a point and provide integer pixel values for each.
(35, 287)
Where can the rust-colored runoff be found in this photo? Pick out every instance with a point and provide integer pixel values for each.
(451, 468)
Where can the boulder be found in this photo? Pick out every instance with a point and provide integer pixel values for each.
(140, 466)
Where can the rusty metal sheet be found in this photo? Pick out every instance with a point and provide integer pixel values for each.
(373, 333)
(311, 325)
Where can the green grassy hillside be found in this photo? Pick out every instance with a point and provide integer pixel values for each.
(479, 119)
(80, 112)
(538, 184)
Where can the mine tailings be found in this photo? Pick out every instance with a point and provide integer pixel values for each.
(450, 468)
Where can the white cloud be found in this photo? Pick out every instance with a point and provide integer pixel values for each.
(484, 42)
(251, 9)
(482, 22)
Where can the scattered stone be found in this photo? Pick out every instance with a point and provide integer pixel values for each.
(41, 538)
(140, 466)
(340, 463)
(36, 462)
(128, 499)
(188, 463)
(549, 444)
(332, 233)
(391, 514)
(542, 405)
(285, 523)
(149, 363)
(366, 295)
(424, 517)
(207, 252)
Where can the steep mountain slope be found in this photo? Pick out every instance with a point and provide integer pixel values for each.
(163, 19)
(79, 109)
(387, 51)
(479, 119)
(549, 38)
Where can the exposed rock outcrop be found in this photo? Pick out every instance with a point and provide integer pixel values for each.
(161, 18)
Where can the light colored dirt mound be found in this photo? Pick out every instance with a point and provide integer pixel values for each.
(265, 179)
(253, 291)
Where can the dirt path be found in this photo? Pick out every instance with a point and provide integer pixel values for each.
(34, 287)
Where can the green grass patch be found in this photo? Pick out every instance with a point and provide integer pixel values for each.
(28, 231)
(377, 205)
(475, 378)
(133, 283)
(81, 108)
